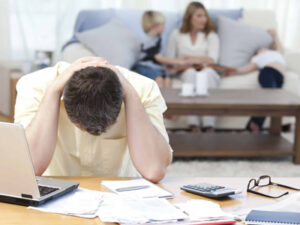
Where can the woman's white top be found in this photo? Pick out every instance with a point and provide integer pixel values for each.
(267, 57)
(181, 45)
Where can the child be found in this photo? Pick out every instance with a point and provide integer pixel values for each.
(151, 61)
(271, 64)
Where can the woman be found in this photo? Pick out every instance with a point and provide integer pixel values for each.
(196, 42)
(271, 65)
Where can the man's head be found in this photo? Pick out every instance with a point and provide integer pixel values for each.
(93, 98)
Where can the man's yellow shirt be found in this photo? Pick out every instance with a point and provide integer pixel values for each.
(78, 153)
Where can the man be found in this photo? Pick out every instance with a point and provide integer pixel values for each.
(80, 118)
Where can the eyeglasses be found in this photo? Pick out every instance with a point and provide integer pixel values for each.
(264, 181)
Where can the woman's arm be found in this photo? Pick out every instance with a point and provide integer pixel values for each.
(243, 70)
(199, 60)
(170, 61)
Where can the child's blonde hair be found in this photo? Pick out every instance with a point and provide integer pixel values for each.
(151, 18)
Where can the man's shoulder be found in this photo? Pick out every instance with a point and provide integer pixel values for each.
(42, 78)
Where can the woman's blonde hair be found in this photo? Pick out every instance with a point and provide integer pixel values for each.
(190, 10)
(151, 18)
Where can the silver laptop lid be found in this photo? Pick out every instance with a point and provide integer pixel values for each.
(17, 177)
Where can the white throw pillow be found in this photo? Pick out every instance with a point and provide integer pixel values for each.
(112, 41)
(239, 42)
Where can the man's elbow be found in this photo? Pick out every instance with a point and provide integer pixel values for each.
(155, 175)
(39, 170)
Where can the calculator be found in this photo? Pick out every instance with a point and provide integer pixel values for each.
(210, 190)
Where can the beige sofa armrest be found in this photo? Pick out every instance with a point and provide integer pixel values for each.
(293, 60)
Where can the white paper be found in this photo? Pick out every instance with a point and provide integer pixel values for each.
(119, 209)
(289, 204)
(81, 202)
(152, 191)
(199, 210)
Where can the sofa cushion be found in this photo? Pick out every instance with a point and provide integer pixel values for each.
(112, 41)
(233, 14)
(239, 41)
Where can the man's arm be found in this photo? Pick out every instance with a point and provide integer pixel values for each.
(42, 130)
(148, 149)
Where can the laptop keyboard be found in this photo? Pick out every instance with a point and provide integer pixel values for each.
(46, 190)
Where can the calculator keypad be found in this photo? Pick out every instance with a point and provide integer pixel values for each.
(209, 190)
(205, 187)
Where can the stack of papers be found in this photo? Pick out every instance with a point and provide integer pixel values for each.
(119, 209)
(201, 211)
(134, 209)
(110, 207)
(81, 202)
(138, 188)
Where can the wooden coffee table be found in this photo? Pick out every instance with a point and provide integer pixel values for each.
(234, 102)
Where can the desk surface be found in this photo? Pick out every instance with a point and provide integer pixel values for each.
(14, 214)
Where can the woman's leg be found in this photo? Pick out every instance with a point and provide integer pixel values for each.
(268, 78)
(189, 76)
(213, 81)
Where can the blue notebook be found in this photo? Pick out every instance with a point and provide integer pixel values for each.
(272, 217)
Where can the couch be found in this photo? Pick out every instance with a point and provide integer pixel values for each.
(90, 19)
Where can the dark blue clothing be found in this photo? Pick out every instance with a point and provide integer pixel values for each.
(147, 71)
(268, 78)
(147, 64)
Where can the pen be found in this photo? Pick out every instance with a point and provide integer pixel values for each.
(132, 188)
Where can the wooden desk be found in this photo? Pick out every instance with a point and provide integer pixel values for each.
(14, 214)
(234, 102)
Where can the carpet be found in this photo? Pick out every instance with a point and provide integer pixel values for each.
(235, 167)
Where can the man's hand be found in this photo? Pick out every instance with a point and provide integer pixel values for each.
(79, 64)
(125, 84)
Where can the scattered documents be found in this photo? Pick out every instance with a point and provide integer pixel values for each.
(80, 202)
(289, 204)
(120, 209)
(202, 210)
(135, 209)
(110, 207)
(139, 188)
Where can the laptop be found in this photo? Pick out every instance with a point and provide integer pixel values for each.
(18, 183)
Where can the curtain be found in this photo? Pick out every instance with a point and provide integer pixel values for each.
(39, 25)
(4, 30)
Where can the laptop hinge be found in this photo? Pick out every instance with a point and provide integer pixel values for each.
(26, 196)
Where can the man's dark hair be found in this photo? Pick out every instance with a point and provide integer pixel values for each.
(93, 98)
